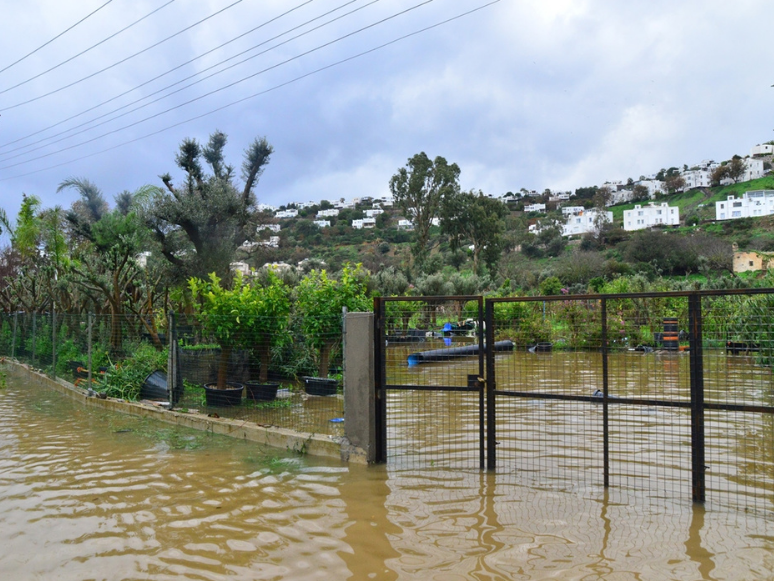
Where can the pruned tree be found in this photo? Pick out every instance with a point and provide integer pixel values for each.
(640, 193)
(200, 223)
(736, 168)
(674, 183)
(418, 190)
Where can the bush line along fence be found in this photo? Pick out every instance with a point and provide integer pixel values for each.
(115, 355)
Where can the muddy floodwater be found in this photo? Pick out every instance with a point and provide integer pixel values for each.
(86, 494)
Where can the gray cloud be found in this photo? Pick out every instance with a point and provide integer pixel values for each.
(534, 94)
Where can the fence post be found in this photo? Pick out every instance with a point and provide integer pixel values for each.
(91, 325)
(344, 358)
(605, 410)
(53, 341)
(13, 340)
(34, 335)
(491, 416)
(380, 395)
(359, 380)
(698, 466)
(172, 362)
(481, 385)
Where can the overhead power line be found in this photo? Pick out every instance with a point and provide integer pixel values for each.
(146, 49)
(92, 125)
(93, 46)
(3, 146)
(66, 30)
(228, 86)
(254, 95)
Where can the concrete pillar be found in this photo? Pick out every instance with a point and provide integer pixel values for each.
(359, 389)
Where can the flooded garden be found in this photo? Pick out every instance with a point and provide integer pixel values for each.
(89, 494)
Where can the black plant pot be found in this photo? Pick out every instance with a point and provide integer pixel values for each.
(320, 385)
(257, 391)
(155, 386)
(220, 398)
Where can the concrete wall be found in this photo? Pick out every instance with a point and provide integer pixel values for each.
(359, 387)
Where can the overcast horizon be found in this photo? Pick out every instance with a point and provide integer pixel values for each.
(559, 94)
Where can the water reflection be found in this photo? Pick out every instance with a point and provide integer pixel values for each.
(85, 494)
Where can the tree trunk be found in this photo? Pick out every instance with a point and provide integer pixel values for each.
(265, 354)
(225, 355)
(325, 353)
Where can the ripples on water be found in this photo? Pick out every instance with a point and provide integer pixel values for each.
(86, 494)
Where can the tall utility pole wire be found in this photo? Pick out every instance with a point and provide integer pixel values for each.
(146, 49)
(218, 90)
(198, 73)
(93, 46)
(254, 95)
(274, 19)
(16, 62)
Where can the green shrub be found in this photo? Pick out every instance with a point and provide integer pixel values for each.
(124, 379)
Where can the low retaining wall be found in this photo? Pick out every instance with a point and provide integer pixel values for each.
(311, 444)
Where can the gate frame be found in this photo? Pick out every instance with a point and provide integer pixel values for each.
(475, 383)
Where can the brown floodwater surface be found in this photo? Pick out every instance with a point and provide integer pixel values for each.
(87, 494)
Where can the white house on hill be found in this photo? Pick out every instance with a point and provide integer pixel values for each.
(366, 223)
(751, 204)
(584, 221)
(653, 215)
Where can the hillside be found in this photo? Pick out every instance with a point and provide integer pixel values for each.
(704, 247)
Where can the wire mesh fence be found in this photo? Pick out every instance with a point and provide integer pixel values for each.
(274, 380)
(282, 377)
(663, 394)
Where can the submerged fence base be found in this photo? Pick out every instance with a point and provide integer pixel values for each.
(311, 444)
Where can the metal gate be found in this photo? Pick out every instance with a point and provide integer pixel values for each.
(663, 393)
(430, 418)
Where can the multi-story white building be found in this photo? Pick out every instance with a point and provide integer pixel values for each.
(654, 186)
(405, 225)
(753, 169)
(763, 149)
(752, 204)
(286, 214)
(585, 221)
(570, 210)
(653, 215)
(535, 208)
(697, 178)
(322, 223)
(328, 213)
(620, 197)
(272, 227)
(373, 213)
(364, 223)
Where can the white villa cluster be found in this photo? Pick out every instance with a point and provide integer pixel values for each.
(582, 221)
(751, 204)
(653, 215)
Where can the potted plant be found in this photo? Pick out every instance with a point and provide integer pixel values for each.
(267, 328)
(320, 300)
(225, 314)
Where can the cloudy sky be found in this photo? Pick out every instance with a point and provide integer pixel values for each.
(530, 93)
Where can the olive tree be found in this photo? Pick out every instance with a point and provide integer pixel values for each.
(200, 222)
